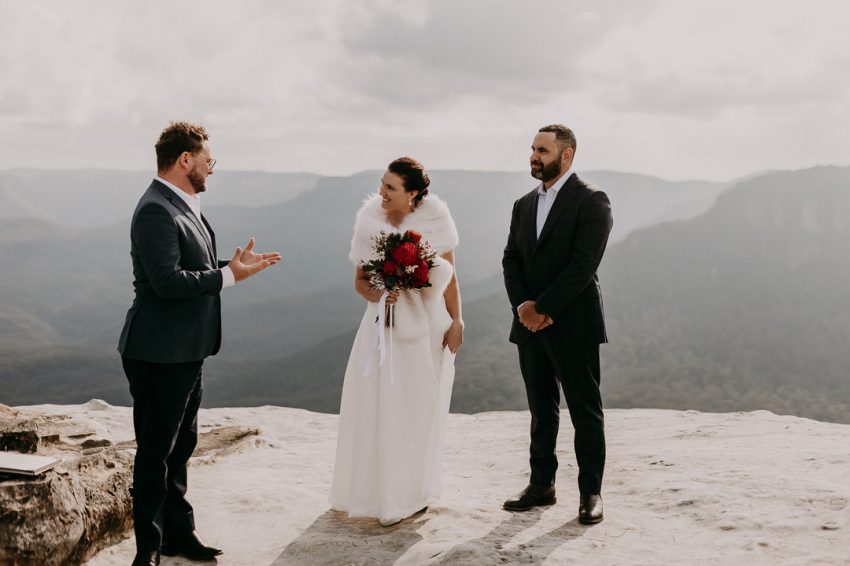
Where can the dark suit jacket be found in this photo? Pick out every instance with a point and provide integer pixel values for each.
(559, 270)
(176, 313)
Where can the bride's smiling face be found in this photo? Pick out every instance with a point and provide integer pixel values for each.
(394, 197)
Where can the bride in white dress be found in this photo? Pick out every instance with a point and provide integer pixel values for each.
(392, 419)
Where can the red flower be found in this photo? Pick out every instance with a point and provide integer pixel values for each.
(420, 276)
(390, 267)
(414, 236)
(405, 254)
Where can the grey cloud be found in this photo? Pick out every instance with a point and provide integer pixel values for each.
(90, 62)
(701, 62)
(498, 50)
(287, 84)
(686, 95)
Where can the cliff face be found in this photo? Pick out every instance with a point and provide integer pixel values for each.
(680, 488)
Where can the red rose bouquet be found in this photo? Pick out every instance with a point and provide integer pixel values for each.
(402, 262)
(399, 262)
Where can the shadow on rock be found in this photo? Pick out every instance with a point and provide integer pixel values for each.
(334, 539)
(490, 549)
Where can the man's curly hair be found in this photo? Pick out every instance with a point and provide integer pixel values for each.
(177, 138)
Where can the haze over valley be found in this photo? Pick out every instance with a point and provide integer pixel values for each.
(719, 296)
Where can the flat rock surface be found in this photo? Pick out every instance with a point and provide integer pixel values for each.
(680, 488)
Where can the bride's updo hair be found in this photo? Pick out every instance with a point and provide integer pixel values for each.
(414, 176)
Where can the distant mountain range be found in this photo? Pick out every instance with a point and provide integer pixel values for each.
(87, 198)
(728, 306)
(745, 307)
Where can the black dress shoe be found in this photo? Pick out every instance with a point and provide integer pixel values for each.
(189, 546)
(148, 558)
(590, 509)
(531, 496)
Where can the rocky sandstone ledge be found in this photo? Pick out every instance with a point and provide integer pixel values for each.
(67, 514)
(681, 487)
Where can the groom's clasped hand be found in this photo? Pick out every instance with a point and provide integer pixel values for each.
(531, 319)
(247, 262)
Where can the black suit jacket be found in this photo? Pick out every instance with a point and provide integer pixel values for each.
(176, 313)
(558, 270)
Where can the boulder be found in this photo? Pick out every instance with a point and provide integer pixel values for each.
(83, 504)
(67, 514)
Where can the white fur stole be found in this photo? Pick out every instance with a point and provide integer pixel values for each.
(431, 218)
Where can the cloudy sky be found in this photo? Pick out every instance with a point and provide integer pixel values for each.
(709, 90)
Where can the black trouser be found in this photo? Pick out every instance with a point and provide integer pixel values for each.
(166, 398)
(577, 369)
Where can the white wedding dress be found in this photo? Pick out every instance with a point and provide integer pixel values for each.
(392, 421)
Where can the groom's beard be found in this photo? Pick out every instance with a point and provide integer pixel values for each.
(545, 173)
(198, 181)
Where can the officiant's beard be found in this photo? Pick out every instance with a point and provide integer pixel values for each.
(198, 181)
(546, 173)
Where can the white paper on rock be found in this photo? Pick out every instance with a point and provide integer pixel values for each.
(25, 464)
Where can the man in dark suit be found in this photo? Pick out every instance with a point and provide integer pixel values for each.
(172, 325)
(557, 237)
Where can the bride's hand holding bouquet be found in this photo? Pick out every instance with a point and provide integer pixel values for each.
(400, 262)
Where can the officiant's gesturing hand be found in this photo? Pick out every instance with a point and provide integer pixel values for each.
(531, 319)
(247, 262)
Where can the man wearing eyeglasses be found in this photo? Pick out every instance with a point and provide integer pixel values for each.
(173, 324)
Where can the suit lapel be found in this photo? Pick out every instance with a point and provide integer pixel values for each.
(184, 208)
(530, 213)
(567, 193)
(212, 237)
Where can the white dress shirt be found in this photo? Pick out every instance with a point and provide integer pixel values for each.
(546, 198)
(194, 202)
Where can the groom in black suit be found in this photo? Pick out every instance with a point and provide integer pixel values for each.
(172, 325)
(557, 238)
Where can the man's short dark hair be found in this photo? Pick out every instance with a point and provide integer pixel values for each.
(177, 138)
(564, 136)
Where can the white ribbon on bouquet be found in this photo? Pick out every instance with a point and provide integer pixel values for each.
(382, 338)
